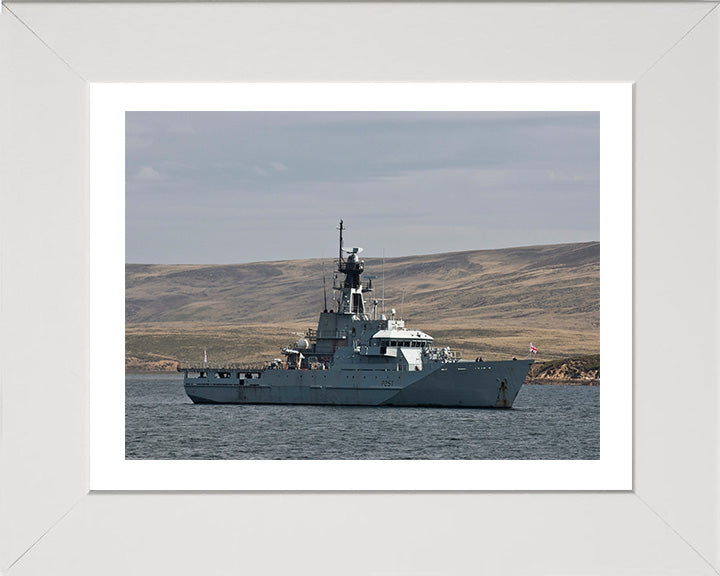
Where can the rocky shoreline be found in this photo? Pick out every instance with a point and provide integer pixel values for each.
(578, 371)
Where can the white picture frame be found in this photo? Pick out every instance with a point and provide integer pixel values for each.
(667, 524)
(109, 470)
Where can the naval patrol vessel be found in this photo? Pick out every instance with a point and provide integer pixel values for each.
(360, 357)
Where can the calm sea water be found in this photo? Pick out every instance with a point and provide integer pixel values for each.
(546, 422)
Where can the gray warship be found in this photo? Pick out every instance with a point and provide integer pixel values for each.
(360, 357)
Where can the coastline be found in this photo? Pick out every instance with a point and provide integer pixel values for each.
(577, 371)
(562, 382)
(528, 381)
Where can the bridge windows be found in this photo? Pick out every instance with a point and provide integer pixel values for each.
(385, 343)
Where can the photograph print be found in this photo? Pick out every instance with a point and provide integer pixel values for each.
(362, 285)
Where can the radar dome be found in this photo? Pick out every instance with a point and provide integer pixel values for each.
(302, 344)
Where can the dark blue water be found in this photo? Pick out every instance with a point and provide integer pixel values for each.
(546, 423)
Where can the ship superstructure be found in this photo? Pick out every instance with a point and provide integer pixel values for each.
(360, 357)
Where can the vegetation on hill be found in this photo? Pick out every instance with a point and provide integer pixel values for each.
(580, 370)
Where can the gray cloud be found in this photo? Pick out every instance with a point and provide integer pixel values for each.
(213, 187)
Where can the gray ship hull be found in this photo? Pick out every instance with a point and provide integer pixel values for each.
(457, 384)
(360, 358)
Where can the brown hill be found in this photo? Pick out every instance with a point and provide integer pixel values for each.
(490, 303)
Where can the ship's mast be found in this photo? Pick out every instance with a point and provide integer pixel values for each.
(341, 261)
(351, 300)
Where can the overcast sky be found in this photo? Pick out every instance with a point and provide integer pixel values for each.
(226, 187)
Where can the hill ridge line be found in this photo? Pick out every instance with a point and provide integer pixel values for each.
(431, 254)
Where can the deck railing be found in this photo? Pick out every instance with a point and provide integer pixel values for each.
(200, 366)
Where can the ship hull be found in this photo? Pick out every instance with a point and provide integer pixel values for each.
(457, 384)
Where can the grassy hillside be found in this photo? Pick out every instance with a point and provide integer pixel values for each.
(489, 303)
